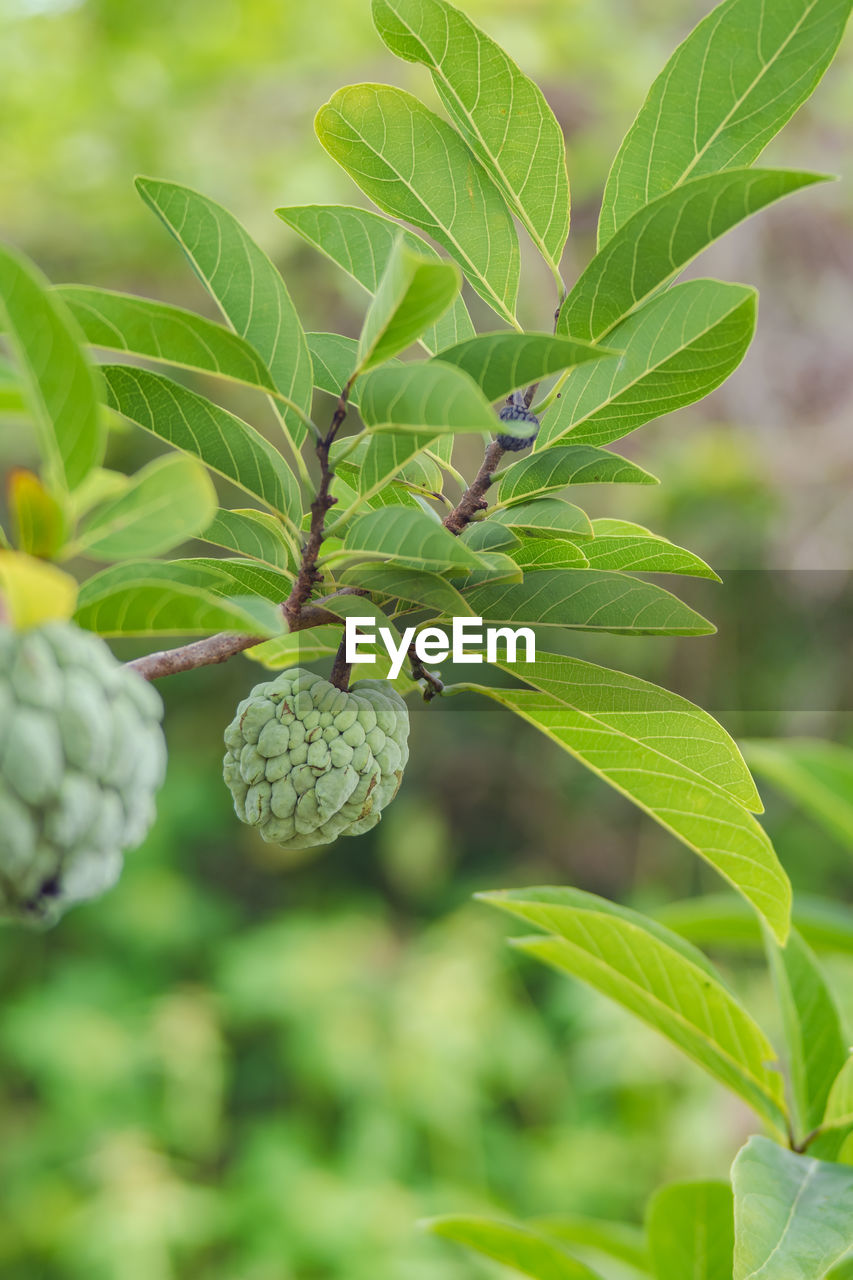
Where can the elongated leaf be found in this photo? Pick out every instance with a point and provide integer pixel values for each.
(518, 1247)
(61, 385)
(334, 358)
(381, 458)
(298, 648)
(542, 473)
(408, 537)
(817, 775)
(653, 246)
(503, 362)
(168, 502)
(144, 598)
(413, 292)
(535, 554)
(793, 1215)
(411, 586)
(224, 443)
(613, 1240)
(234, 577)
(839, 1106)
(721, 920)
(676, 350)
(38, 518)
(244, 283)
(690, 1227)
(816, 1049)
(733, 83)
(632, 548)
(413, 165)
(424, 398)
(551, 517)
(657, 977)
(488, 535)
(493, 567)
(255, 534)
(667, 774)
(590, 600)
(170, 335)
(361, 242)
(501, 114)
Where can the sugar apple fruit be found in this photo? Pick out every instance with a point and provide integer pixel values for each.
(307, 762)
(81, 757)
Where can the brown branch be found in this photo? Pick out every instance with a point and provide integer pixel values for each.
(433, 685)
(341, 669)
(473, 499)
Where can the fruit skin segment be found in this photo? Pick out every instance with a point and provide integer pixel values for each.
(82, 755)
(307, 762)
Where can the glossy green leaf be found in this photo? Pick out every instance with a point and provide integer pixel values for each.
(721, 920)
(488, 535)
(298, 648)
(657, 977)
(814, 774)
(631, 548)
(61, 385)
(666, 756)
(413, 165)
(591, 600)
(653, 246)
(245, 285)
(405, 536)
(535, 554)
(816, 1048)
(725, 92)
(379, 459)
(676, 350)
(413, 292)
(501, 114)
(258, 535)
(504, 362)
(691, 1234)
(167, 503)
(170, 335)
(493, 567)
(540, 474)
(146, 598)
(233, 576)
(424, 397)
(546, 517)
(334, 358)
(224, 443)
(410, 586)
(361, 242)
(793, 1215)
(521, 1248)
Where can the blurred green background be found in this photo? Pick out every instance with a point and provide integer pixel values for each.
(232, 1068)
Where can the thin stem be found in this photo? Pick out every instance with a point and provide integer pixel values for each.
(473, 499)
(553, 394)
(341, 669)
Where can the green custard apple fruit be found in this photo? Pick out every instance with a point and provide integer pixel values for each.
(307, 762)
(81, 757)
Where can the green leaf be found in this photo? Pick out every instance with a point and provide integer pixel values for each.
(298, 648)
(690, 1227)
(590, 600)
(613, 1240)
(224, 443)
(493, 567)
(168, 502)
(545, 517)
(487, 535)
(426, 398)
(361, 242)
(38, 519)
(411, 586)
(793, 1215)
(501, 114)
(816, 775)
(739, 76)
(246, 286)
(666, 756)
(380, 458)
(631, 548)
(405, 536)
(535, 554)
(542, 473)
(334, 358)
(720, 920)
(816, 1049)
(504, 362)
(839, 1105)
(170, 335)
(521, 1248)
(414, 165)
(660, 240)
(61, 385)
(656, 976)
(676, 350)
(254, 534)
(413, 292)
(236, 577)
(145, 598)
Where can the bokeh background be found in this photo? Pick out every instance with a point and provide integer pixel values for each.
(231, 1067)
